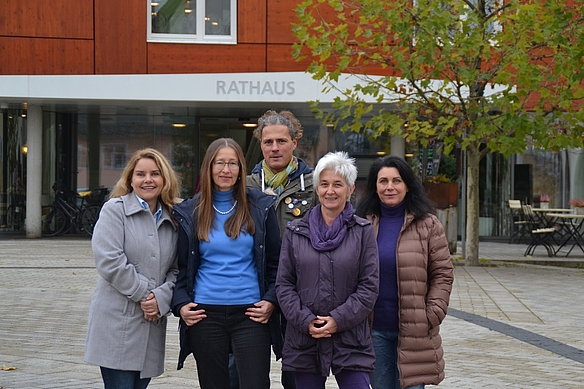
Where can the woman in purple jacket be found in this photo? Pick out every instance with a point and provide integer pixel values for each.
(327, 284)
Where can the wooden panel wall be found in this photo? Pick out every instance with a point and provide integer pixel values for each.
(280, 59)
(251, 21)
(120, 37)
(116, 42)
(47, 19)
(204, 58)
(38, 56)
(280, 17)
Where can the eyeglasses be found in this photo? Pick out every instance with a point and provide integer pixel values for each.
(220, 165)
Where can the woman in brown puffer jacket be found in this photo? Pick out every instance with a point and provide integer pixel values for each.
(415, 277)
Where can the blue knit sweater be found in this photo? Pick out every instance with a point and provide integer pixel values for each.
(386, 308)
(227, 274)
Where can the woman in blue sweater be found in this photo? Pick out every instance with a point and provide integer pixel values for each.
(228, 249)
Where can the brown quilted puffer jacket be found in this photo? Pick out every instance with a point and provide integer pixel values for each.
(425, 276)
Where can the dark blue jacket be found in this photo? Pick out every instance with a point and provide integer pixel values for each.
(266, 251)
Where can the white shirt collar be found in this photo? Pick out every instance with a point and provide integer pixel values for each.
(145, 205)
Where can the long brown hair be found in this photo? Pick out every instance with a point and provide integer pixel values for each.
(241, 218)
(170, 189)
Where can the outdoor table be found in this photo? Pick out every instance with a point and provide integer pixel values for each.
(544, 213)
(552, 210)
(573, 230)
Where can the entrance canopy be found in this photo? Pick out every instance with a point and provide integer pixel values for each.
(170, 90)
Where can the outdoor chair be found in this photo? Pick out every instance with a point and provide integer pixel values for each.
(539, 235)
(518, 222)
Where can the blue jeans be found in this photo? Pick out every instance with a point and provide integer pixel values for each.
(346, 379)
(225, 329)
(123, 379)
(386, 373)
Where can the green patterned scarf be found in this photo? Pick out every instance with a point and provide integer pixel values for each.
(277, 181)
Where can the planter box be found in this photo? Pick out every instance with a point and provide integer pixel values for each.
(443, 195)
(449, 219)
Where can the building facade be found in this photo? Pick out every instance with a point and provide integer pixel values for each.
(85, 83)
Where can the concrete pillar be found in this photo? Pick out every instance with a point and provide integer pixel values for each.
(34, 135)
(93, 143)
(398, 146)
(576, 164)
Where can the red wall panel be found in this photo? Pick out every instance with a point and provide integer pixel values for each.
(172, 58)
(120, 37)
(280, 59)
(281, 15)
(47, 19)
(251, 21)
(37, 56)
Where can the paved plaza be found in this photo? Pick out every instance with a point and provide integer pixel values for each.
(510, 324)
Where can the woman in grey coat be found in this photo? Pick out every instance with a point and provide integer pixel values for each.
(327, 284)
(134, 247)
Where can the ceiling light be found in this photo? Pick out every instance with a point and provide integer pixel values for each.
(155, 3)
(250, 125)
(380, 153)
(188, 9)
(409, 155)
(179, 125)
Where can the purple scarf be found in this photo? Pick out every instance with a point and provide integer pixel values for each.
(323, 237)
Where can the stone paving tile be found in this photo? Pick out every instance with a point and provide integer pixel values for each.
(46, 284)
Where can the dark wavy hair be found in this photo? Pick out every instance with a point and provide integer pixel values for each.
(416, 202)
(286, 118)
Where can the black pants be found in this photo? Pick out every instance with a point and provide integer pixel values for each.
(228, 328)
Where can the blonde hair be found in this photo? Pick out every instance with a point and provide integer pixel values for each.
(170, 189)
(241, 218)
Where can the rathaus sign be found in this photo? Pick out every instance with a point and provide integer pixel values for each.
(255, 87)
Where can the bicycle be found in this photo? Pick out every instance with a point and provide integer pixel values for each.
(16, 212)
(79, 210)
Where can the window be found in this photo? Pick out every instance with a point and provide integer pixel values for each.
(464, 19)
(114, 156)
(192, 21)
(491, 6)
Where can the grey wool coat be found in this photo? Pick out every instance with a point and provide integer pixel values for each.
(133, 257)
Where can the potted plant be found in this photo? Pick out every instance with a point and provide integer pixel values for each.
(544, 201)
(578, 205)
(442, 191)
(442, 188)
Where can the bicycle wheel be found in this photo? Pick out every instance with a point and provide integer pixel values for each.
(89, 217)
(54, 221)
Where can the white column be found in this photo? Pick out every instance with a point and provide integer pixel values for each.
(34, 135)
(576, 162)
(398, 146)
